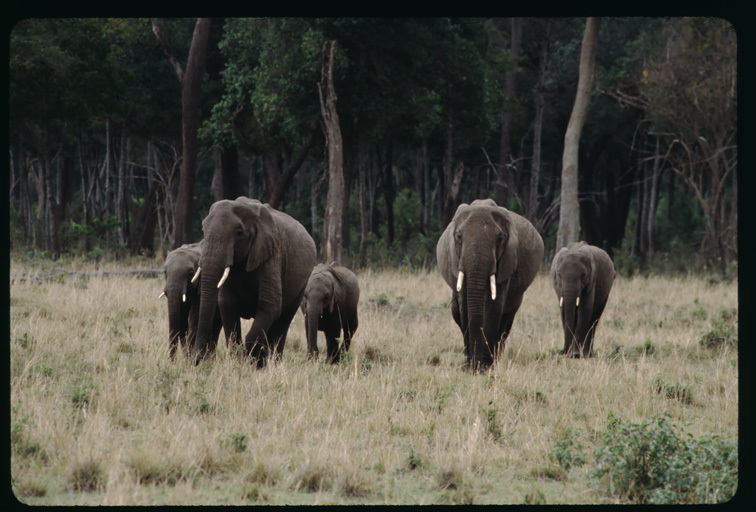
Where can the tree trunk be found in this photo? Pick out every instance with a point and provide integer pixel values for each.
(388, 190)
(190, 92)
(361, 169)
(504, 181)
(225, 184)
(335, 199)
(569, 209)
(278, 187)
(122, 192)
(535, 170)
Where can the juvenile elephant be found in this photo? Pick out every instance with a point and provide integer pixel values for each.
(488, 256)
(182, 293)
(330, 305)
(582, 275)
(255, 264)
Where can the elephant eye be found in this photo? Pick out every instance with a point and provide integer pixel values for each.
(239, 232)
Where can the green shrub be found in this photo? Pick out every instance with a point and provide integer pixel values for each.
(649, 462)
(568, 451)
(724, 331)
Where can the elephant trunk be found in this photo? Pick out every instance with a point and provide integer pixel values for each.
(481, 335)
(176, 329)
(213, 265)
(312, 319)
(570, 306)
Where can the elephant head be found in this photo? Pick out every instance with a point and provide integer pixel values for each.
(260, 260)
(488, 256)
(582, 276)
(330, 305)
(181, 290)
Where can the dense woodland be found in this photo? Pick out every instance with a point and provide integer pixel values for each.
(123, 132)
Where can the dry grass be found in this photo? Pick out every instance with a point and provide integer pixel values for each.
(99, 415)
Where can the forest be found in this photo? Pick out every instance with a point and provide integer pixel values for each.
(123, 132)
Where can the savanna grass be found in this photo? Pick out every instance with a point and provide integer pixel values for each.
(100, 415)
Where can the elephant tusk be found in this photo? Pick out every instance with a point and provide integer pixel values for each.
(493, 287)
(161, 295)
(459, 280)
(561, 299)
(577, 302)
(224, 276)
(183, 297)
(196, 275)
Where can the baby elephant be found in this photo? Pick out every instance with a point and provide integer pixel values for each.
(582, 276)
(182, 292)
(330, 305)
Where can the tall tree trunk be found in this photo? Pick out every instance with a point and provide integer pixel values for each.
(504, 183)
(388, 190)
(569, 208)
(335, 199)
(361, 169)
(190, 93)
(277, 187)
(535, 170)
(225, 184)
(122, 193)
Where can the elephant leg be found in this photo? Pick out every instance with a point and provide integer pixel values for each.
(217, 326)
(333, 348)
(256, 343)
(588, 346)
(349, 330)
(455, 311)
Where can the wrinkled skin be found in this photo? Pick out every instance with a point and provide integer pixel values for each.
(582, 275)
(330, 305)
(183, 298)
(269, 256)
(497, 251)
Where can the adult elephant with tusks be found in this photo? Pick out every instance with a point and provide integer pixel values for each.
(255, 264)
(488, 255)
(582, 275)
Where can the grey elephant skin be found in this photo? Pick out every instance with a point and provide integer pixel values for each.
(582, 275)
(330, 305)
(489, 256)
(183, 298)
(255, 264)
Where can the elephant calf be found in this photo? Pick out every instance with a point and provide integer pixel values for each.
(330, 305)
(182, 292)
(582, 275)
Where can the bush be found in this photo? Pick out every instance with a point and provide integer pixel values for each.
(649, 462)
(724, 330)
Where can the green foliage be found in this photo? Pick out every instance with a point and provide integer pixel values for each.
(651, 462)
(568, 451)
(724, 331)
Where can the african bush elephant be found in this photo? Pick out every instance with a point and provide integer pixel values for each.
(488, 256)
(255, 264)
(330, 305)
(182, 292)
(582, 275)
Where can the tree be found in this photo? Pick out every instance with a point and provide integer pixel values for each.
(569, 210)
(335, 201)
(190, 88)
(688, 90)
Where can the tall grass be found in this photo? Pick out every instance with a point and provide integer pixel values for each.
(99, 414)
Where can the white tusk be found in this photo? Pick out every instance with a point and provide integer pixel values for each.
(224, 276)
(183, 297)
(161, 295)
(459, 280)
(196, 275)
(561, 299)
(493, 287)
(577, 302)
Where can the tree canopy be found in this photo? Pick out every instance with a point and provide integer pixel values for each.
(96, 151)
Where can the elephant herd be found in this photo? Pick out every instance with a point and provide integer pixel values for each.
(256, 262)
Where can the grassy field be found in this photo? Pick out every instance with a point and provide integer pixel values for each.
(100, 416)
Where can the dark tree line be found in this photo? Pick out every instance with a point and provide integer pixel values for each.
(110, 152)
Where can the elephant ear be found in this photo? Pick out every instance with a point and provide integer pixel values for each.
(463, 211)
(508, 258)
(266, 236)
